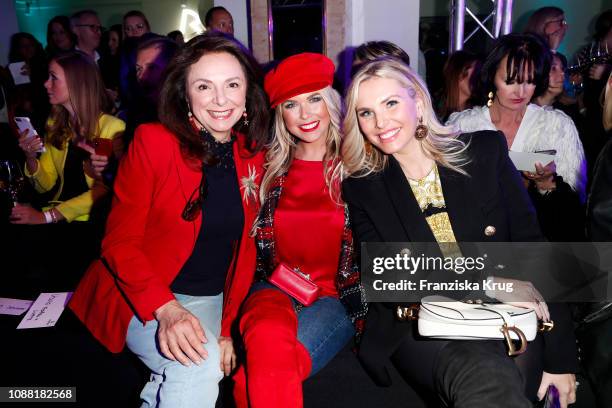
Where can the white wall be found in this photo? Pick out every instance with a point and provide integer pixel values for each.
(8, 26)
(238, 10)
(391, 20)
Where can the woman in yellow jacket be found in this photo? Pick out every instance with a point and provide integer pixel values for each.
(70, 166)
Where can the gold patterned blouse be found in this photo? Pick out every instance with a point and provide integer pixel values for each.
(428, 193)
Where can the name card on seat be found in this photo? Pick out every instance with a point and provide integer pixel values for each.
(14, 307)
(45, 311)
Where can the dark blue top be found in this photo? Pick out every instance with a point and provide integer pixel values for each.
(205, 271)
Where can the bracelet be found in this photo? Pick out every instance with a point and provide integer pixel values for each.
(53, 216)
(48, 217)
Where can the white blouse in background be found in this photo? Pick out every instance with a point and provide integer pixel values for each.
(542, 128)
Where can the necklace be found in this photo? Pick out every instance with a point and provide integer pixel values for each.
(405, 171)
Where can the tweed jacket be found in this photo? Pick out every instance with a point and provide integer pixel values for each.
(347, 279)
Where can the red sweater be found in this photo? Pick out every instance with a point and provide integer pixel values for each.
(308, 225)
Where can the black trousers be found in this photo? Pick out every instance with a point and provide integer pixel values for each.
(47, 258)
(471, 373)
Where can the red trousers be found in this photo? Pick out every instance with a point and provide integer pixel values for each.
(276, 362)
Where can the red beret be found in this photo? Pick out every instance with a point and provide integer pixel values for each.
(298, 74)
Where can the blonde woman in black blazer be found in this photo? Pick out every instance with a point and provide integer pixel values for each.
(412, 179)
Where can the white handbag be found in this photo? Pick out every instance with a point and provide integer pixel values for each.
(444, 318)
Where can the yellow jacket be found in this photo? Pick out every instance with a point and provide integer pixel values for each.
(51, 166)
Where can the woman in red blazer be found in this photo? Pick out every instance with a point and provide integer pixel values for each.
(170, 278)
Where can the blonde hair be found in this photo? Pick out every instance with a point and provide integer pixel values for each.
(360, 158)
(281, 150)
(607, 106)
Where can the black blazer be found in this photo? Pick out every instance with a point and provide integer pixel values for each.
(384, 209)
(600, 199)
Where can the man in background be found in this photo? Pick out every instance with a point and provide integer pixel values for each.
(219, 19)
(86, 26)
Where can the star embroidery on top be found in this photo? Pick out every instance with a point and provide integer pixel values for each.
(249, 186)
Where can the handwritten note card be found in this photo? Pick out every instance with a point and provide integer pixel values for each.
(14, 306)
(525, 161)
(45, 311)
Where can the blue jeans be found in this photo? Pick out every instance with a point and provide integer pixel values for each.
(323, 327)
(172, 384)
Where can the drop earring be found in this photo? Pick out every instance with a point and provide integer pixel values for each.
(193, 121)
(421, 130)
(245, 120)
(490, 101)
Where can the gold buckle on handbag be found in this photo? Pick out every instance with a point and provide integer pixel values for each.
(544, 327)
(512, 351)
(404, 313)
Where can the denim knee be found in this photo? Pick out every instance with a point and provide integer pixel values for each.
(324, 329)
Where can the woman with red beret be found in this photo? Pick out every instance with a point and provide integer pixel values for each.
(302, 226)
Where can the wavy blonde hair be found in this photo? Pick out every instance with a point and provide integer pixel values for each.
(360, 158)
(281, 150)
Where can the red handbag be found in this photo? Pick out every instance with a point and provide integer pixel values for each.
(295, 283)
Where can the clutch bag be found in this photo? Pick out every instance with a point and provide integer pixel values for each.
(295, 283)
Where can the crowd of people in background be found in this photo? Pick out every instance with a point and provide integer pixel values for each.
(194, 143)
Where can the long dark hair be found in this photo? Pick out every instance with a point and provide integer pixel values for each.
(65, 23)
(172, 108)
(14, 52)
(603, 24)
(455, 69)
(522, 50)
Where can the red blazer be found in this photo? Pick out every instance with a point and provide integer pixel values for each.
(147, 242)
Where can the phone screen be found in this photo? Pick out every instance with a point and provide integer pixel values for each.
(23, 123)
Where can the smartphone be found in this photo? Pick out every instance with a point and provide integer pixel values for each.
(23, 123)
(104, 147)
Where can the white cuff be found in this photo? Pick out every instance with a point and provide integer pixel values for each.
(490, 293)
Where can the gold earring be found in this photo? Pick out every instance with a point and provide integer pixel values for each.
(490, 101)
(421, 130)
